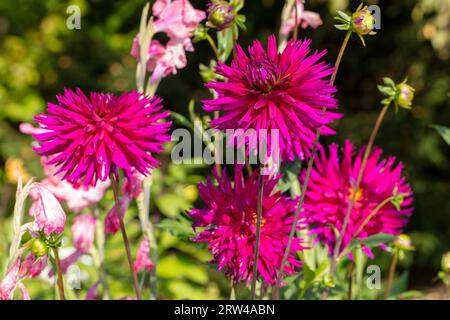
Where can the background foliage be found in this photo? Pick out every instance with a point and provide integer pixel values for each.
(39, 56)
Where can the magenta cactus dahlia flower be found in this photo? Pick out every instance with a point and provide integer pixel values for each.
(270, 90)
(228, 225)
(91, 137)
(331, 187)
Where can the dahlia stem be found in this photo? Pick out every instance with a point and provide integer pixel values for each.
(392, 268)
(295, 35)
(350, 279)
(125, 237)
(367, 152)
(213, 46)
(100, 242)
(308, 171)
(258, 230)
(233, 291)
(59, 280)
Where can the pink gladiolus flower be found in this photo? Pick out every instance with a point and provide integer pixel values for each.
(177, 18)
(228, 223)
(32, 267)
(305, 19)
(275, 91)
(331, 187)
(143, 261)
(83, 230)
(90, 138)
(48, 213)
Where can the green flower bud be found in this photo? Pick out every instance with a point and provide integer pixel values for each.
(446, 262)
(38, 247)
(403, 242)
(405, 95)
(221, 15)
(363, 22)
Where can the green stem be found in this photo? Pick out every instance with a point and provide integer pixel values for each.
(308, 169)
(213, 46)
(59, 280)
(258, 231)
(392, 268)
(125, 237)
(100, 243)
(350, 279)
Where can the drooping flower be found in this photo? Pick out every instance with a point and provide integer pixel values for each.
(305, 19)
(143, 261)
(275, 91)
(83, 231)
(91, 138)
(47, 211)
(331, 187)
(228, 226)
(112, 222)
(363, 22)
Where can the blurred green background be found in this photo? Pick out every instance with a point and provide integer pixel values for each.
(39, 56)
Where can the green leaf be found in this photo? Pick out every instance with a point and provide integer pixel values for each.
(377, 239)
(180, 119)
(178, 228)
(443, 131)
(225, 43)
(388, 81)
(344, 16)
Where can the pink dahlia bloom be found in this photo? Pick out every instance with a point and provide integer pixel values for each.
(143, 261)
(90, 137)
(83, 231)
(275, 91)
(305, 19)
(228, 224)
(331, 187)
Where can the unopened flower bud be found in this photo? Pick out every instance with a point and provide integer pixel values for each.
(221, 15)
(363, 22)
(446, 262)
(403, 242)
(405, 95)
(38, 247)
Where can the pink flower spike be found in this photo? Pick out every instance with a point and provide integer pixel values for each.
(331, 187)
(48, 213)
(143, 261)
(83, 231)
(305, 19)
(177, 18)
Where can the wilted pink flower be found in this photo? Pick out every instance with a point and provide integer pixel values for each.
(48, 213)
(331, 188)
(32, 267)
(275, 91)
(112, 222)
(83, 231)
(305, 19)
(177, 18)
(90, 138)
(228, 223)
(143, 261)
